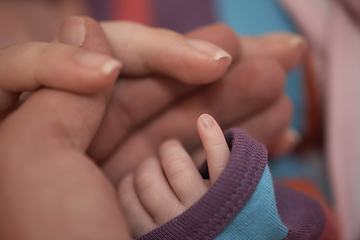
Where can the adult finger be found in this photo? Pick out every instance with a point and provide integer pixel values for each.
(288, 49)
(94, 41)
(28, 66)
(84, 32)
(91, 37)
(145, 50)
(221, 35)
(181, 172)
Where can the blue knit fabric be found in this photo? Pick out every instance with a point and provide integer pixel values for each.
(259, 218)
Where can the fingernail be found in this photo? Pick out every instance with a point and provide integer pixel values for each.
(293, 135)
(206, 121)
(297, 41)
(95, 60)
(73, 31)
(288, 141)
(110, 66)
(212, 50)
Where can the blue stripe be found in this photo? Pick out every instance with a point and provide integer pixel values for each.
(259, 218)
(253, 17)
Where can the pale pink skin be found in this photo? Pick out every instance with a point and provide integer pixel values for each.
(163, 187)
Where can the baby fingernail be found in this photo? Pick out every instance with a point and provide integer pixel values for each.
(73, 31)
(89, 59)
(206, 121)
(212, 50)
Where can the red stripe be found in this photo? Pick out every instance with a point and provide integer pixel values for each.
(140, 11)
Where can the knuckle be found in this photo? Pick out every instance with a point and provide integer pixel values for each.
(177, 166)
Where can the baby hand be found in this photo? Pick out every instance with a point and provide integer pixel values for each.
(162, 189)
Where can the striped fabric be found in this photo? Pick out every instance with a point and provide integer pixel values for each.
(333, 30)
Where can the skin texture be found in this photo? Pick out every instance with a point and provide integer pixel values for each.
(161, 189)
(50, 145)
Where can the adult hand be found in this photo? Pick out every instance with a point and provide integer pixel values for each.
(49, 188)
(151, 108)
(53, 190)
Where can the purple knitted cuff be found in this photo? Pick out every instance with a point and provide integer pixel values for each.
(225, 199)
(300, 213)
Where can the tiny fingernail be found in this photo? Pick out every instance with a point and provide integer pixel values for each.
(212, 50)
(206, 121)
(89, 59)
(73, 31)
(297, 41)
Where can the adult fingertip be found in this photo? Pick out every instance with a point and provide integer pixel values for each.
(105, 64)
(73, 31)
(202, 66)
(287, 40)
(288, 141)
(111, 66)
(297, 42)
(91, 72)
(293, 138)
(291, 48)
(208, 62)
(212, 50)
(220, 35)
(95, 69)
(288, 49)
(293, 135)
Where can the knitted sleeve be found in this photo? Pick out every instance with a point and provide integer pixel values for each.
(244, 203)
